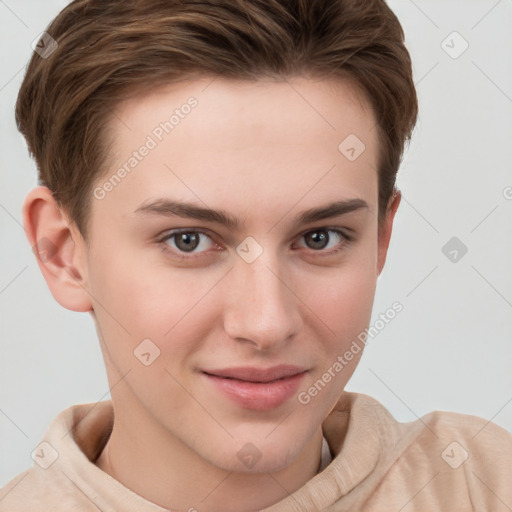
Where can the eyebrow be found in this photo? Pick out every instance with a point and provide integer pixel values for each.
(171, 208)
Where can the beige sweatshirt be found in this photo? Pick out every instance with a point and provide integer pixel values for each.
(441, 462)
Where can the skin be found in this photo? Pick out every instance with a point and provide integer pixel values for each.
(259, 151)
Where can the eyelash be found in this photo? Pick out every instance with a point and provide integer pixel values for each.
(346, 239)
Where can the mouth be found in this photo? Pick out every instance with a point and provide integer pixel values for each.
(259, 389)
(259, 375)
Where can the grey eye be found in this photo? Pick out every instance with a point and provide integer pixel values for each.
(319, 239)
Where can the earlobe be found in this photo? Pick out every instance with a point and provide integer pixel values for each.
(59, 249)
(385, 230)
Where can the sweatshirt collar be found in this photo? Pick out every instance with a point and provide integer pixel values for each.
(351, 455)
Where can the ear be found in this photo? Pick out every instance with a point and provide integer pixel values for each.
(59, 248)
(385, 230)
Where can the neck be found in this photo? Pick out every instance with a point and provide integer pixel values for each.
(160, 468)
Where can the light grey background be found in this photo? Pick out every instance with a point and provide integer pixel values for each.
(449, 349)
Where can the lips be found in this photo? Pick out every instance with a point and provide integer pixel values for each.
(250, 374)
(258, 389)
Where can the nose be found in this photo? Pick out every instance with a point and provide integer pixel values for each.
(262, 309)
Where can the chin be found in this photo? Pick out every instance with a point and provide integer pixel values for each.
(269, 454)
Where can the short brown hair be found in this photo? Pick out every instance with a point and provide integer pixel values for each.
(108, 48)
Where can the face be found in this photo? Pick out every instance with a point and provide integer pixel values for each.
(222, 295)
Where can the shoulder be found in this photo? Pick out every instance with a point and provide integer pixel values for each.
(465, 437)
(441, 461)
(9, 494)
(459, 460)
(477, 434)
(29, 492)
(72, 440)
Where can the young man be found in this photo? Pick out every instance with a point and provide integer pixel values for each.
(217, 190)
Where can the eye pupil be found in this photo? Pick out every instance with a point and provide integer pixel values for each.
(319, 239)
(191, 241)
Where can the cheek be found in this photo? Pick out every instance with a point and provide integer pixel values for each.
(346, 310)
(345, 306)
(136, 300)
(345, 294)
(147, 318)
(343, 298)
(342, 302)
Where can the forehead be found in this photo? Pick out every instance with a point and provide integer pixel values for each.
(321, 105)
(245, 143)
